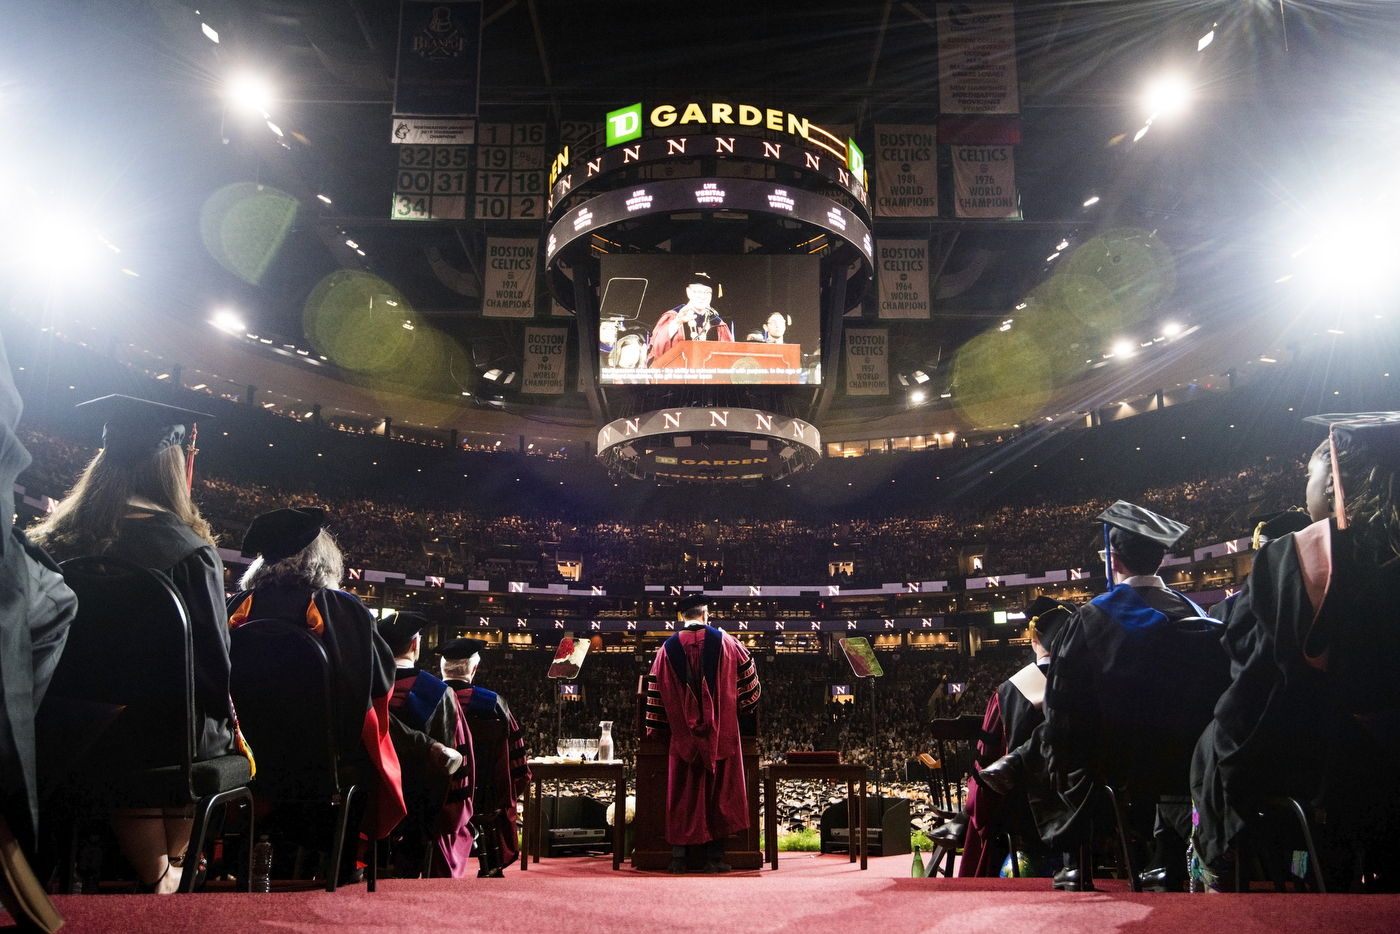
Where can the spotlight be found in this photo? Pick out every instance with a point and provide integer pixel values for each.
(1124, 348)
(1167, 96)
(324, 198)
(210, 33)
(228, 321)
(917, 396)
(250, 93)
(1171, 329)
(1092, 201)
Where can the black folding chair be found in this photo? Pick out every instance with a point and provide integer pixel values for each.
(490, 748)
(955, 739)
(129, 653)
(281, 686)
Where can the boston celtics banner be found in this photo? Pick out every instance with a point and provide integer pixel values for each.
(977, 59)
(867, 362)
(902, 270)
(509, 287)
(439, 62)
(544, 361)
(906, 170)
(984, 181)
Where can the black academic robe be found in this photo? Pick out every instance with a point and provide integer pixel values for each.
(164, 543)
(36, 609)
(1130, 688)
(510, 777)
(362, 676)
(423, 710)
(1314, 648)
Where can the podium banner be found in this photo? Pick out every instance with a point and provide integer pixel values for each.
(867, 362)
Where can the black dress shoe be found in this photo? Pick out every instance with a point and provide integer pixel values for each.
(717, 866)
(677, 866)
(950, 833)
(1067, 880)
(1160, 880)
(1001, 776)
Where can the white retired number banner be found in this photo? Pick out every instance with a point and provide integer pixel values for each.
(977, 59)
(906, 171)
(984, 181)
(509, 289)
(544, 361)
(867, 363)
(903, 278)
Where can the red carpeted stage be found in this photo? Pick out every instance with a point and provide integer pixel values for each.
(807, 894)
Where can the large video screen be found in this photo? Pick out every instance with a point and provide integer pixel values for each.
(742, 319)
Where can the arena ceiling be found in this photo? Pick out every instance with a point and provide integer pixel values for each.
(119, 125)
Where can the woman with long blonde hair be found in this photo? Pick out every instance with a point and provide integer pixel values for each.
(133, 502)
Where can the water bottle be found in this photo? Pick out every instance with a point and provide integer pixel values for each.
(917, 871)
(262, 865)
(605, 742)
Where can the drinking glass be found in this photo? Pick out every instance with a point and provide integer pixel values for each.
(590, 749)
(562, 746)
(576, 749)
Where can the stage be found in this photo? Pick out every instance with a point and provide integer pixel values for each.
(807, 894)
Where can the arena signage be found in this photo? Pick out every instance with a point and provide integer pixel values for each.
(577, 626)
(688, 421)
(728, 194)
(628, 123)
(642, 152)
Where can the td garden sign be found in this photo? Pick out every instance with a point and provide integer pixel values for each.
(708, 445)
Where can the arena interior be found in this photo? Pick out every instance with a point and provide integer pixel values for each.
(852, 318)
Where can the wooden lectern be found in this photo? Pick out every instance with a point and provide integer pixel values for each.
(735, 356)
(650, 849)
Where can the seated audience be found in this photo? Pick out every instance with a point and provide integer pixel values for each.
(295, 576)
(435, 753)
(1314, 648)
(133, 502)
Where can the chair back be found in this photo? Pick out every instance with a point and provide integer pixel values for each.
(281, 686)
(129, 651)
(955, 739)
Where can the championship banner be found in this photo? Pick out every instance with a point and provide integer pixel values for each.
(509, 288)
(977, 59)
(544, 361)
(906, 171)
(438, 73)
(903, 276)
(984, 181)
(867, 363)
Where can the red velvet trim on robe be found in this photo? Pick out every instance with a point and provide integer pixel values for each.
(389, 808)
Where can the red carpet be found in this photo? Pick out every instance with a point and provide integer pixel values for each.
(807, 895)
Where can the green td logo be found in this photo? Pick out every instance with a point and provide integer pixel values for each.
(624, 124)
(855, 159)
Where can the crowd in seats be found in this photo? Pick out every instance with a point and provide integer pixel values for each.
(448, 540)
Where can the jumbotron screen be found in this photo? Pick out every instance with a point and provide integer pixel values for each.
(709, 320)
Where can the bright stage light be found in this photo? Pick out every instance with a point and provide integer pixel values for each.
(1092, 201)
(1167, 96)
(250, 93)
(228, 321)
(917, 396)
(57, 245)
(1124, 348)
(1352, 256)
(1171, 329)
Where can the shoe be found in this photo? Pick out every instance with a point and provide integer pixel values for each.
(716, 867)
(1001, 776)
(495, 873)
(950, 833)
(1160, 880)
(1067, 880)
(678, 866)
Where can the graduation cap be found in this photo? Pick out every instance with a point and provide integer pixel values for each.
(692, 602)
(1139, 536)
(400, 630)
(1047, 615)
(703, 278)
(1271, 525)
(459, 649)
(283, 532)
(1370, 435)
(135, 429)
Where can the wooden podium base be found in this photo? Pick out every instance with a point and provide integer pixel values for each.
(650, 850)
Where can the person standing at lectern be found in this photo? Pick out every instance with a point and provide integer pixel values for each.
(693, 321)
(701, 681)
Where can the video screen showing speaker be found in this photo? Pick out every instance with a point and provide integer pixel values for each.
(709, 320)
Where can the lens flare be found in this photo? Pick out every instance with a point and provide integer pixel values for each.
(243, 226)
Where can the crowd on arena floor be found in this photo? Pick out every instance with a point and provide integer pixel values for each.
(450, 540)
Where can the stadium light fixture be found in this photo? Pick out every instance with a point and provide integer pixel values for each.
(1167, 96)
(1352, 257)
(917, 396)
(325, 199)
(1171, 329)
(250, 93)
(920, 377)
(1092, 201)
(209, 32)
(1124, 348)
(228, 321)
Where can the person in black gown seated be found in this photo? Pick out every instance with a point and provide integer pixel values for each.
(133, 502)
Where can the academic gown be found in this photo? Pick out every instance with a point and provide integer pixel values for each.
(701, 680)
(1131, 686)
(1013, 713)
(36, 609)
(1314, 648)
(362, 678)
(670, 329)
(511, 775)
(423, 710)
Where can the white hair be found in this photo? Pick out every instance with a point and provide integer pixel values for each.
(318, 565)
